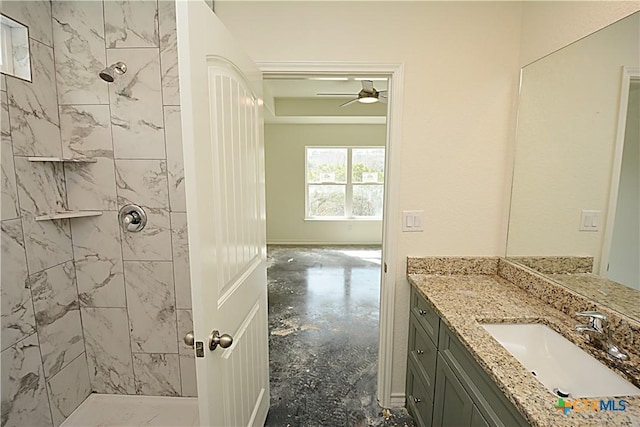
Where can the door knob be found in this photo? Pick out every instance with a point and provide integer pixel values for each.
(215, 340)
(189, 339)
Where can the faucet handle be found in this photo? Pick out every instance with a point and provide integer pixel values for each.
(594, 314)
(596, 319)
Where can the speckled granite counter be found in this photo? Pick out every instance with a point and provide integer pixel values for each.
(470, 295)
(607, 292)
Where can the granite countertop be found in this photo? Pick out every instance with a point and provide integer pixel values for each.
(464, 301)
(619, 297)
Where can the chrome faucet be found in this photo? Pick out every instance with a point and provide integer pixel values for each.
(598, 333)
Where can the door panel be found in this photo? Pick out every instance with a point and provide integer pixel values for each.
(237, 156)
(452, 405)
(224, 179)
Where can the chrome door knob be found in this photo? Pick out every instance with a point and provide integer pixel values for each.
(215, 340)
(189, 339)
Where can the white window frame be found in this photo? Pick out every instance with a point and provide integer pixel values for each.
(6, 48)
(348, 184)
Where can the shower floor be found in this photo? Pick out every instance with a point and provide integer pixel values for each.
(110, 410)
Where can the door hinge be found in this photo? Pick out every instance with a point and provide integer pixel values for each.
(385, 267)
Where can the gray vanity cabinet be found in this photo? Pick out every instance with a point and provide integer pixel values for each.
(477, 419)
(445, 385)
(452, 407)
(419, 400)
(424, 327)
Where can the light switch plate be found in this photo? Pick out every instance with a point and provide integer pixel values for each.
(412, 221)
(590, 220)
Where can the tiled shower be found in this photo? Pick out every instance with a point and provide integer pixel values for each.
(86, 306)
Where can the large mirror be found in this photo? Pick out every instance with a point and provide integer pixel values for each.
(575, 207)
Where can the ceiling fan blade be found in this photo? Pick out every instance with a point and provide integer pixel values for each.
(384, 93)
(367, 86)
(383, 99)
(334, 94)
(349, 102)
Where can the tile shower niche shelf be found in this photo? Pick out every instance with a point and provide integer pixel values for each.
(67, 215)
(63, 159)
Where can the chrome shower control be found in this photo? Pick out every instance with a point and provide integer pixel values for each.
(132, 218)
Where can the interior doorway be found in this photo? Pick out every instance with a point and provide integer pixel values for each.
(392, 75)
(323, 343)
(621, 246)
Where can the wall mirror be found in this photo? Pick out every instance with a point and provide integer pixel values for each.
(575, 206)
(14, 49)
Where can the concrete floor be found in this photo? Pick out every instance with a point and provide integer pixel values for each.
(323, 342)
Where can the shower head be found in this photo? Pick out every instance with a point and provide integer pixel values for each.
(109, 73)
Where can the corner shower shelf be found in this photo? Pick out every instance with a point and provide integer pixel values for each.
(63, 159)
(67, 215)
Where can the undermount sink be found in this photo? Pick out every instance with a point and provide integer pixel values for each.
(561, 366)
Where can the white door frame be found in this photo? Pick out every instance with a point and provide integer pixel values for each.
(391, 203)
(628, 74)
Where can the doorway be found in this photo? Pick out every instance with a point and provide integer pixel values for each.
(323, 343)
(392, 72)
(621, 246)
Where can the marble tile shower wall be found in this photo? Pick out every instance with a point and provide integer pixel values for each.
(85, 306)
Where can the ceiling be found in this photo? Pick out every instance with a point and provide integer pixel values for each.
(296, 100)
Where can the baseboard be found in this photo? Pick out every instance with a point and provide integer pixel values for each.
(307, 243)
(398, 400)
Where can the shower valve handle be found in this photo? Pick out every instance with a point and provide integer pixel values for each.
(132, 218)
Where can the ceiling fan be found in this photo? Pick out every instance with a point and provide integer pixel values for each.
(368, 95)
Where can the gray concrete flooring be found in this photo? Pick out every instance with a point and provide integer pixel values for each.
(323, 340)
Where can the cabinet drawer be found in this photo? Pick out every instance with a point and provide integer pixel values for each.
(425, 314)
(423, 353)
(419, 401)
(492, 404)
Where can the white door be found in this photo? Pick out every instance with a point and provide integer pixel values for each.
(222, 126)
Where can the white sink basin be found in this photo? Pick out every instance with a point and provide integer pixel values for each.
(561, 366)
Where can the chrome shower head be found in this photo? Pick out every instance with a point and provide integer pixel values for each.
(109, 73)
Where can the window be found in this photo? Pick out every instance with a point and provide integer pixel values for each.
(344, 182)
(14, 49)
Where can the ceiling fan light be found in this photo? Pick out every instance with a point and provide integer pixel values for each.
(368, 99)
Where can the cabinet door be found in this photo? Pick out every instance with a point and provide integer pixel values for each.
(452, 405)
(477, 420)
(485, 394)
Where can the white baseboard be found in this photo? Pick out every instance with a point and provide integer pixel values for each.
(307, 243)
(398, 400)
